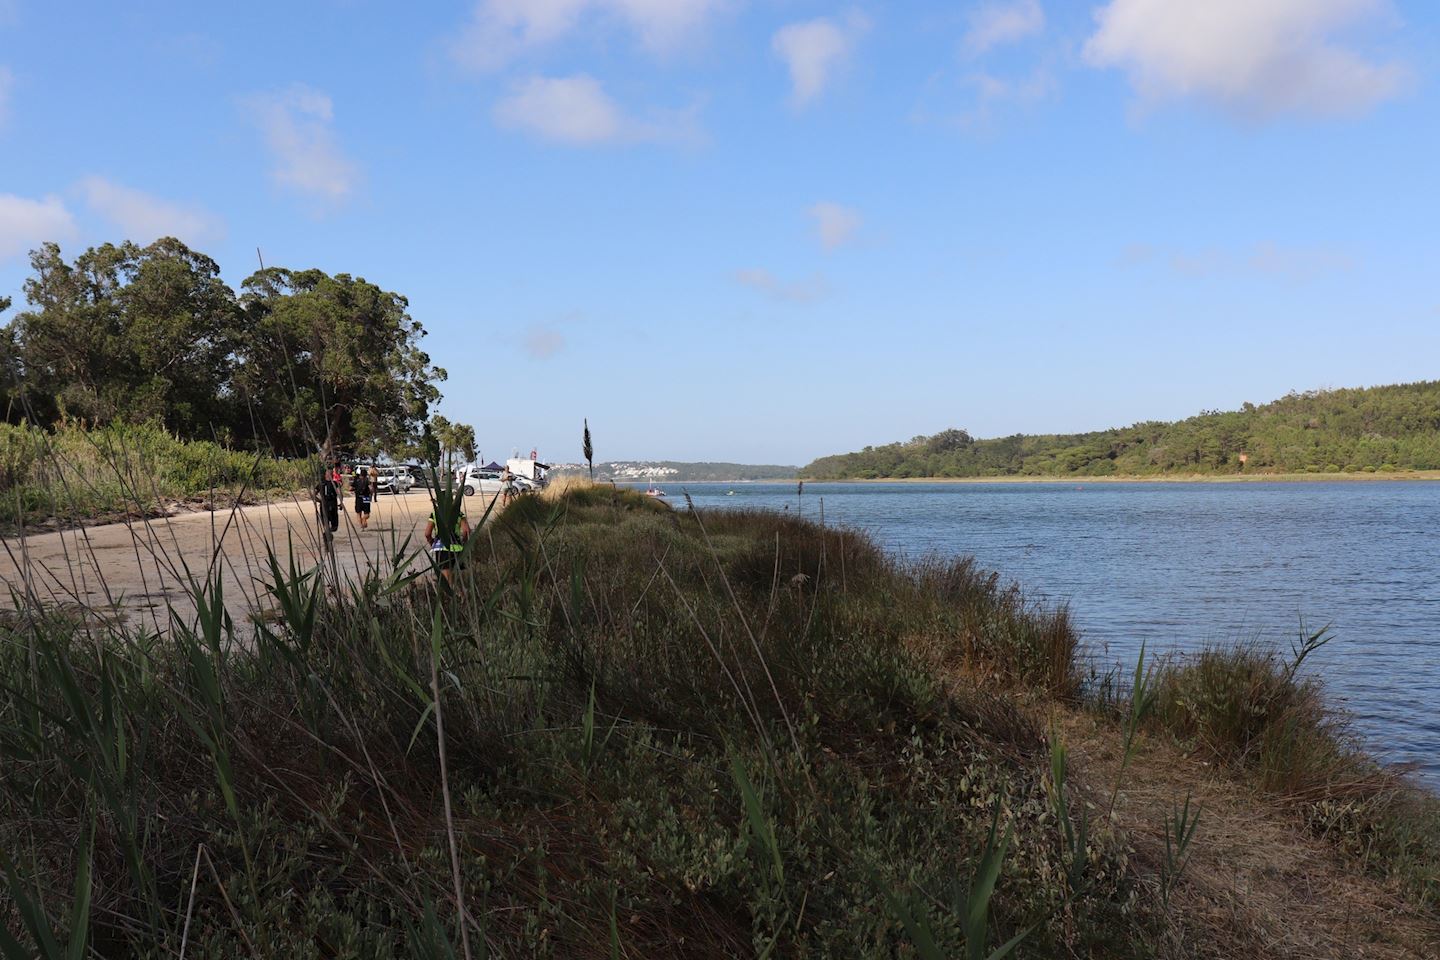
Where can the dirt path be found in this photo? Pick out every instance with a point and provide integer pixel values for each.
(135, 571)
(1257, 884)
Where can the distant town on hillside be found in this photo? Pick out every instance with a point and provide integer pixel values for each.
(675, 471)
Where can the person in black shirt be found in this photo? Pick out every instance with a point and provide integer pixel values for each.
(364, 492)
(329, 492)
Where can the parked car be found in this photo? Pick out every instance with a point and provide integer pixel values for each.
(387, 480)
(474, 479)
(395, 480)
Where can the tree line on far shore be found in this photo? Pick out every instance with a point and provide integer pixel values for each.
(298, 362)
(1375, 429)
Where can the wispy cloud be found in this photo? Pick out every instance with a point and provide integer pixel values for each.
(542, 343)
(971, 102)
(835, 225)
(815, 50)
(803, 291)
(666, 25)
(1298, 262)
(7, 84)
(996, 24)
(992, 92)
(502, 31)
(298, 126)
(1262, 259)
(27, 223)
(1258, 59)
(576, 110)
(144, 218)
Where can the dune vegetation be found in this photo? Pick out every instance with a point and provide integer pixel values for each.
(630, 731)
(73, 475)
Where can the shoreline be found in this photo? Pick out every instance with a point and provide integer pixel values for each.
(1411, 475)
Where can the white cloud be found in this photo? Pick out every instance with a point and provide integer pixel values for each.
(26, 223)
(144, 218)
(664, 25)
(542, 343)
(565, 109)
(298, 126)
(501, 31)
(996, 24)
(834, 224)
(1257, 57)
(7, 82)
(576, 110)
(814, 50)
(803, 291)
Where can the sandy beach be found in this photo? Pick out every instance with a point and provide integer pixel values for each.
(137, 570)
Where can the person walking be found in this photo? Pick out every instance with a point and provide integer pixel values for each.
(364, 494)
(445, 549)
(328, 490)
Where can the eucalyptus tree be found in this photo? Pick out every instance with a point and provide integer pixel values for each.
(129, 333)
(331, 362)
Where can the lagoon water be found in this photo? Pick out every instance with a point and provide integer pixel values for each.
(1179, 565)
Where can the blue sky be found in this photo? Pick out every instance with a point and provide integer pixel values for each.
(766, 230)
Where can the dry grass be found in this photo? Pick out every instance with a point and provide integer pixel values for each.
(560, 486)
(1259, 883)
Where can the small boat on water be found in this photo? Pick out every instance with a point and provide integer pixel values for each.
(654, 491)
(729, 493)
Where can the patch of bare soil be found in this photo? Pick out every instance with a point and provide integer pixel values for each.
(1257, 884)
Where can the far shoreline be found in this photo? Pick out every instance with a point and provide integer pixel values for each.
(1433, 475)
(1412, 475)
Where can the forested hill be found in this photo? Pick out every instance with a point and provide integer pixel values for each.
(1323, 431)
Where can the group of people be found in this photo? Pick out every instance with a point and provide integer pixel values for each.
(446, 546)
(331, 491)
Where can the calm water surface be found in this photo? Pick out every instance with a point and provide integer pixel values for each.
(1181, 564)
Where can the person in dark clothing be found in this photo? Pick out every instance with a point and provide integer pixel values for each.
(328, 491)
(364, 493)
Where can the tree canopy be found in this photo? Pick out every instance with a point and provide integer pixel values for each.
(457, 440)
(333, 361)
(1376, 429)
(300, 362)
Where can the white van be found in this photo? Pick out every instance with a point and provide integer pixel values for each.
(528, 473)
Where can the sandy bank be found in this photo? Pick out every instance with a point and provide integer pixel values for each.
(135, 570)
